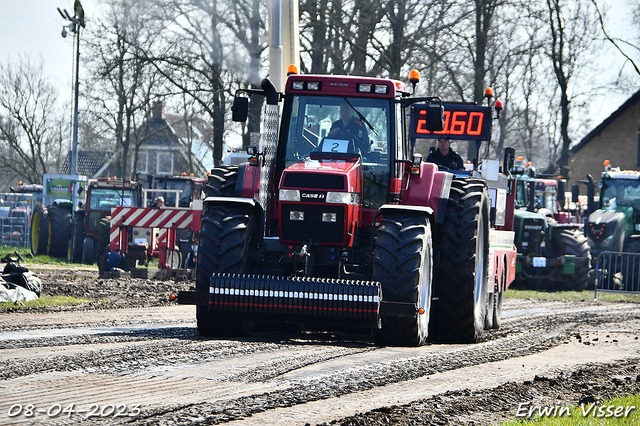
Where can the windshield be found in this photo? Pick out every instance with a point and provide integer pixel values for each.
(521, 194)
(340, 125)
(620, 192)
(546, 196)
(185, 196)
(104, 199)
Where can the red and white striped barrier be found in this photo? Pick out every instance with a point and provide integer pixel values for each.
(163, 219)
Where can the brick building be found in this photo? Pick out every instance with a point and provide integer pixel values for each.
(616, 139)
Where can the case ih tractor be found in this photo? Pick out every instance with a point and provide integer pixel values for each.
(341, 225)
(553, 253)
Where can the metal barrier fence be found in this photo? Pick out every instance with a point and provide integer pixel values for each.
(16, 210)
(617, 272)
(15, 232)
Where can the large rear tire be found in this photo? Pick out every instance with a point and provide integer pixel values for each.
(403, 265)
(460, 286)
(39, 230)
(222, 181)
(228, 241)
(103, 240)
(574, 242)
(60, 227)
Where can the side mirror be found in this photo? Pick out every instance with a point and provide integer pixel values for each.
(240, 109)
(508, 160)
(433, 114)
(252, 150)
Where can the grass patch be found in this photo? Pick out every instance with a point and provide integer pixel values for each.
(597, 414)
(38, 260)
(572, 296)
(45, 301)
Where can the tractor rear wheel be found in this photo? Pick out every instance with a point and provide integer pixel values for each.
(403, 265)
(60, 227)
(103, 240)
(39, 229)
(573, 241)
(228, 242)
(460, 287)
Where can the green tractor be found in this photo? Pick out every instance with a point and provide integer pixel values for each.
(615, 225)
(553, 252)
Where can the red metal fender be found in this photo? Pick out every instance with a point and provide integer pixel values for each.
(429, 188)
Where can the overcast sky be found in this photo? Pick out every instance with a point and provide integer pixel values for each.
(34, 27)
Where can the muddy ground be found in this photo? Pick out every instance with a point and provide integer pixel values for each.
(593, 379)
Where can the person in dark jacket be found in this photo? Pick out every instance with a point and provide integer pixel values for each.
(445, 156)
(349, 126)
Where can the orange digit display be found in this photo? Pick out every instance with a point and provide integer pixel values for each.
(459, 124)
(461, 121)
(422, 123)
(475, 129)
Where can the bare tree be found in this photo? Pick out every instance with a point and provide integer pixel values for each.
(121, 82)
(31, 138)
(573, 31)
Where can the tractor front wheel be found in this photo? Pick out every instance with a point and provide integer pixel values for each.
(573, 241)
(78, 237)
(403, 265)
(228, 242)
(39, 230)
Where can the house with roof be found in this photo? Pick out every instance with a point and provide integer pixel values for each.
(91, 163)
(616, 139)
(165, 149)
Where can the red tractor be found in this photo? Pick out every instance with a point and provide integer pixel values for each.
(91, 222)
(335, 222)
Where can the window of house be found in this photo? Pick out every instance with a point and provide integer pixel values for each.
(164, 164)
(142, 165)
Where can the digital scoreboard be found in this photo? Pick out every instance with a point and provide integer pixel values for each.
(465, 122)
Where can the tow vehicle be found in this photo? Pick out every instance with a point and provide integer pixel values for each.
(316, 231)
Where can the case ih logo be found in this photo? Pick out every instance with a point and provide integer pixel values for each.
(320, 196)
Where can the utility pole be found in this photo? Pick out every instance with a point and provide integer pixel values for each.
(75, 22)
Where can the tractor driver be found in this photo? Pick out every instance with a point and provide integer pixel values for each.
(349, 127)
(445, 156)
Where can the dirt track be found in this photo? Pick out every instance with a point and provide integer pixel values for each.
(134, 350)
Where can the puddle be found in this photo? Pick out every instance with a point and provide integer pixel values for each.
(83, 331)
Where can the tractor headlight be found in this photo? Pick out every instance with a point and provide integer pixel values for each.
(289, 195)
(329, 217)
(296, 215)
(343, 198)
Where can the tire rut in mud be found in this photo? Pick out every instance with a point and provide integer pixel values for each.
(539, 335)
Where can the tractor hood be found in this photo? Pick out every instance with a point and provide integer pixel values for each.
(604, 226)
(320, 201)
(337, 175)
